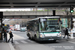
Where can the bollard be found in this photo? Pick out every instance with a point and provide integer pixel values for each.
(72, 34)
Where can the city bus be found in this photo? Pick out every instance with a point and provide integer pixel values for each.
(44, 28)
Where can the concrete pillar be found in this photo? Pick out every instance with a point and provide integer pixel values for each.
(1, 17)
(54, 12)
(48, 11)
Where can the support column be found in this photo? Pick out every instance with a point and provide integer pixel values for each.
(71, 26)
(71, 21)
(47, 11)
(1, 17)
(54, 12)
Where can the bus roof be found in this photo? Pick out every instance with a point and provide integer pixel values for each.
(50, 17)
(45, 17)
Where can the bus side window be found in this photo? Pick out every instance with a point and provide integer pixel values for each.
(32, 26)
(36, 26)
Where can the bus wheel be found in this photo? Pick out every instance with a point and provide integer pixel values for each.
(35, 38)
(54, 40)
(29, 36)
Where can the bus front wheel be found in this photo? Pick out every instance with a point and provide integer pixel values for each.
(29, 36)
(54, 40)
(35, 38)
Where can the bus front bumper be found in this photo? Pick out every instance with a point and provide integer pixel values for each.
(50, 38)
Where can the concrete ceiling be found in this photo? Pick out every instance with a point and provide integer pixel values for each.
(36, 3)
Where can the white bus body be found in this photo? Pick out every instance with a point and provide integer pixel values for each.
(44, 28)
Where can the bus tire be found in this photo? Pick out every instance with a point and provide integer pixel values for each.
(35, 38)
(54, 40)
(29, 36)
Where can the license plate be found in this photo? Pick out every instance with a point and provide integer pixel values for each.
(50, 39)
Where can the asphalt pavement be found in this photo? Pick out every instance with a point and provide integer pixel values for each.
(21, 42)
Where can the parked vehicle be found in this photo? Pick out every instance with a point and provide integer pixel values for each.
(11, 27)
(17, 27)
(23, 29)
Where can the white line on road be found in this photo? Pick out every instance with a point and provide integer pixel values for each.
(23, 41)
(18, 37)
(71, 42)
(30, 40)
(16, 42)
(11, 46)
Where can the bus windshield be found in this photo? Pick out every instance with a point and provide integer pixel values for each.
(50, 26)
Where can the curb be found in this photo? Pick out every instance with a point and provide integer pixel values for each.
(11, 46)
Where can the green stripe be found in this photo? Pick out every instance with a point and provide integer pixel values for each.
(49, 32)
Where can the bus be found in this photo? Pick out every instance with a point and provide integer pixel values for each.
(45, 28)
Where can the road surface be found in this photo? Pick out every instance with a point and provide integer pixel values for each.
(21, 42)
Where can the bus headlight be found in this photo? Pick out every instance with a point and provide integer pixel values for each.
(42, 35)
(58, 35)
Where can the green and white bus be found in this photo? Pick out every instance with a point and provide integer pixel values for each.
(44, 28)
